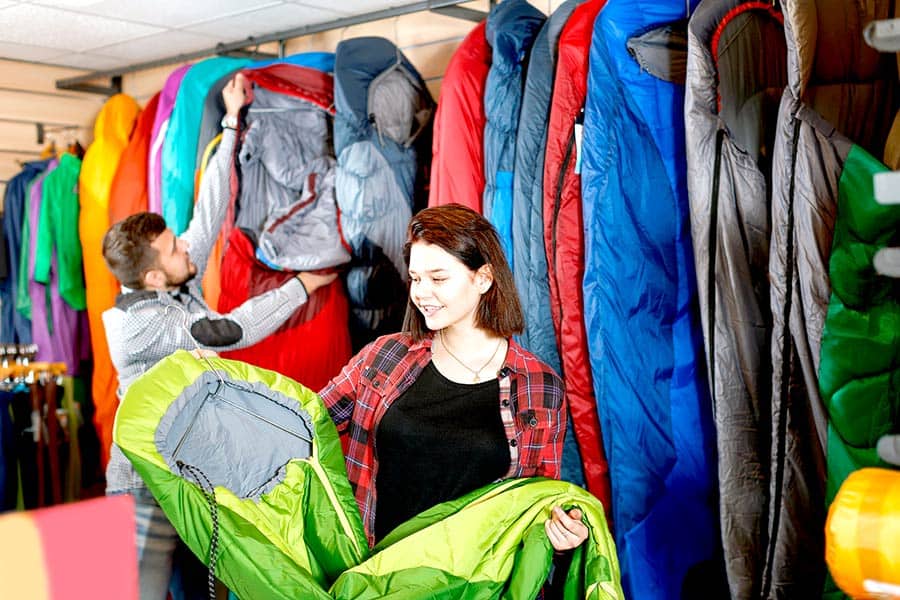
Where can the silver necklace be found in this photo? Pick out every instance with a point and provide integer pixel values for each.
(475, 372)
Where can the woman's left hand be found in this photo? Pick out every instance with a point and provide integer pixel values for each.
(566, 531)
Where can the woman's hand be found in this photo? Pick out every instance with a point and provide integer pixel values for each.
(566, 531)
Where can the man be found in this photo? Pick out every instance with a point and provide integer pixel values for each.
(162, 310)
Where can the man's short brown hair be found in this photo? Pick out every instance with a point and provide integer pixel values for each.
(127, 250)
(470, 238)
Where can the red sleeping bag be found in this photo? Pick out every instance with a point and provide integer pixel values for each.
(313, 344)
(457, 164)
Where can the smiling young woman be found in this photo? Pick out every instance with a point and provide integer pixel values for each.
(452, 403)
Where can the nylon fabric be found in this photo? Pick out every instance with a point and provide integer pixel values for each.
(167, 97)
(458, 151)
(111, 131)
(129, 186)
(729, 192)
(830, 94)
(304, 532)
(640, 297)
(507, 552)
(511, 29)
(266, 544)
(529, 254)
(563, 243)
(179, 150)
(858, 373)
(313, 344)
(531, 142)
(380, 181)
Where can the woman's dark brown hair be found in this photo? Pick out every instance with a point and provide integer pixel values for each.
(468, 236)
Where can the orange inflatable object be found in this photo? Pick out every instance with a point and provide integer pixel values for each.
(111, 132)
(128, 194)
(861, 535)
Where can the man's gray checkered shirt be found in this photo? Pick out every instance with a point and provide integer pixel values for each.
(141, 331)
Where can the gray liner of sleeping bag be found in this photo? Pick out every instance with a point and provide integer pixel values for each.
(239, 434)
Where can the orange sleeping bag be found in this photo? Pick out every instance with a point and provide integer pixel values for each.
(112, 130)
(128, 194)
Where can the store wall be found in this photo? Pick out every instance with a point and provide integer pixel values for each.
(28, 93)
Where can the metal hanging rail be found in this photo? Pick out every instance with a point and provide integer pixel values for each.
(87, 82)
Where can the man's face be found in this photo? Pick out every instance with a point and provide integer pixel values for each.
(172, 260)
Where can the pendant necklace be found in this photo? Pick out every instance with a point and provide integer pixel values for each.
(475, 372)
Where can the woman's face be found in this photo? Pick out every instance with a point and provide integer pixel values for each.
(444, 290)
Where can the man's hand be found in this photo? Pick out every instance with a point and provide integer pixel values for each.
(566, 531)
(236, 94)
(313, 281)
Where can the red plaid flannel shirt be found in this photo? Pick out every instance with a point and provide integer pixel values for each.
(530, 403)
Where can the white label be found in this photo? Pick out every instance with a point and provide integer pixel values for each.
(887, 187)
(579, 131)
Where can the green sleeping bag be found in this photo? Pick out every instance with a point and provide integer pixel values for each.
(859, 372)
(248, 467)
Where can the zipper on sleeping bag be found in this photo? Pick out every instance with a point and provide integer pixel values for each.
(557, 202)
(781, 431)
(711, 267)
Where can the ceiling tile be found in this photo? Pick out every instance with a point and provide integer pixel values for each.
(66, 3)
(63, 29)
(158, 45)
(91, 62)
(4, 3)
(356, 7)
(172, 13)
(266, 20)
(336, 7)
(26, 52)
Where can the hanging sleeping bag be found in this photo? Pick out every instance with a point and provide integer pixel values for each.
(248, 468)
(179, 150)
(160, 126)
(843, 88)
(640, 298)
(736, 71)
(563, 242)
(313, 344)
(457, 156)
(285, 78)
(511, 29)
(528, 190)
(129, 186)
(381, 138)
(859, 373)
(111, 131)
(530, 256)
(287, 171)
(214, 104)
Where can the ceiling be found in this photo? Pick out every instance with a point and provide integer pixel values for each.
(101, 35)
